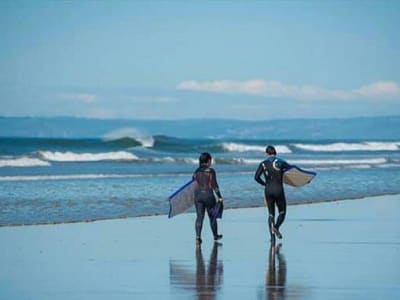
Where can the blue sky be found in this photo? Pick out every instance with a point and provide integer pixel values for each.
(196, 59)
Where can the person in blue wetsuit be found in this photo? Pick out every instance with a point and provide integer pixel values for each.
(272, 170)
(204, 198)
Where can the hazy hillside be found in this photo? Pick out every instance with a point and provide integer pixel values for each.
(354, 128)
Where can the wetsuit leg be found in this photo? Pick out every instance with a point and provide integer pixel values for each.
(271, 211)
(213, 222)
(281, 204)
(200, 211)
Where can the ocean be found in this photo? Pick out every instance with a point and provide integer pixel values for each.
(130, 172)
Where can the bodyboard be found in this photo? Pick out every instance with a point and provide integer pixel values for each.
(217, 211)
(295, 176)
(182, 199)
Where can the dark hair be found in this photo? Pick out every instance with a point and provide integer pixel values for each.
(204, 158)
(270, 150)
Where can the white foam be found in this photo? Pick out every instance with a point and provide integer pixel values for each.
(247, 161)
(282, 149)
(372, 161)
(337, 147)
(80, 176)
(238, 147)
(358, 167)
(320, 162)
(23, 162)
(235, 147)
(166, 159)
(64, 177)
(169, 159)
(86, 157)
(192, 161)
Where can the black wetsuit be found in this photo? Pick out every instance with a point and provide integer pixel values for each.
(204, 198)
(272, 168)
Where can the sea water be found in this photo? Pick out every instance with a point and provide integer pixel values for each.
(58, 179)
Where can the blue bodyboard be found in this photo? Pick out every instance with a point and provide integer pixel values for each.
(182, 199)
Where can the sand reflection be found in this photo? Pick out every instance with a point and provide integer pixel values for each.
(205, 281)
(275, 277)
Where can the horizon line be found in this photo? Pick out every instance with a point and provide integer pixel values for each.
(197, 119)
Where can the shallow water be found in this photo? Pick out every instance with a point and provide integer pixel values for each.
(62, 180)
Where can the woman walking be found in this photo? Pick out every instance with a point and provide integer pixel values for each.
(204, 198)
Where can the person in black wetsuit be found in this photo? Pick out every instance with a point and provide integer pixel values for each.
(272, 170)
(204, 198)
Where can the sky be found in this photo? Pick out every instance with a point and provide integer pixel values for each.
(250, 60)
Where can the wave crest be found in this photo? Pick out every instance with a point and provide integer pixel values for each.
(130, 135)
(239, 147)
(85, 157)
(125, 142)
(337, 147)
(324, 162)
(23, 162)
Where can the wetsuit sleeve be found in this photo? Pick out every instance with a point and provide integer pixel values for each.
(283, 165)
(257, 176)
(215, 184)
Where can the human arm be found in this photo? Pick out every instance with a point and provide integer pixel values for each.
(257, 176)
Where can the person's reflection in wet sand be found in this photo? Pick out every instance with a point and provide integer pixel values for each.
(206, 281)
(275, 280)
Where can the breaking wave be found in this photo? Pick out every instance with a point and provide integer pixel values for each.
(66, 177)
(238, 147)
(337, 162)
(86, 157)
(130, 136)
(23, 162)
(337, 147)
(379, 162)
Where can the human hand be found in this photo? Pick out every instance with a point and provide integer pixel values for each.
(220, 199)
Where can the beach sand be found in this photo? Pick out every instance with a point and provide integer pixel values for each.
(337, 250)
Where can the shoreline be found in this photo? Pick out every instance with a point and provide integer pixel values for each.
(166, 214)
(330, 250)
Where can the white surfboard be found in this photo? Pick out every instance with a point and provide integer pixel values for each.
(182, 199)
(295, 176)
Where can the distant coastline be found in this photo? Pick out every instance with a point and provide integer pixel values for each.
(358, 128)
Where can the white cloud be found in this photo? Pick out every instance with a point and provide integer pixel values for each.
(153, 99)
(82, 97)
(272, 88)
(380, 88)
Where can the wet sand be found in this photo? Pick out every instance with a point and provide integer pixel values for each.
(338, 250)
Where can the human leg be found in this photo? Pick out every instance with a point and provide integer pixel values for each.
(270, 202)
(200, 212)
(213, 223)
(281, 204)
